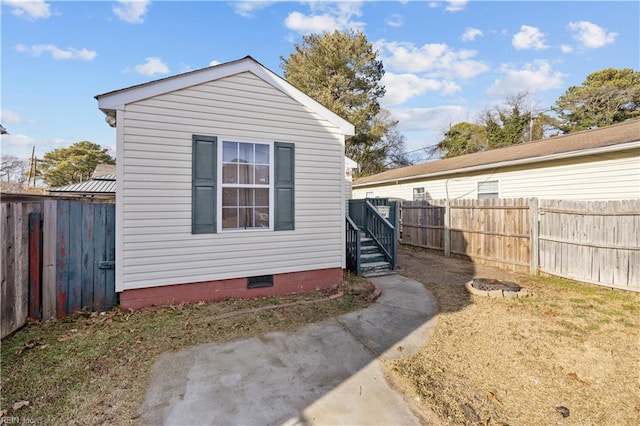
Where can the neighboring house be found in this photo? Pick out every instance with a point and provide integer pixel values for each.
(102, 184)
(230, 182)
(599, 164)
(98, 186)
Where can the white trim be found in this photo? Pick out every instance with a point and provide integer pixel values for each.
(120, 98)
(219, 188)
(119, 275)
(528, 160)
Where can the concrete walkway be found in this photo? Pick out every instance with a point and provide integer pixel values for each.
(327, 373)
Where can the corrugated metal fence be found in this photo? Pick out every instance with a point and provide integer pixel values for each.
(58, 257)
(596, 242)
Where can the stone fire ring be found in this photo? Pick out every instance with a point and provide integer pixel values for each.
(489, 287)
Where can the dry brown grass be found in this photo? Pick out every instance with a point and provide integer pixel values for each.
(515, 361)
(94, 369)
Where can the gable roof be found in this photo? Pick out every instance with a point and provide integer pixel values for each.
(103, 169)
(611, 138)
(111, 101)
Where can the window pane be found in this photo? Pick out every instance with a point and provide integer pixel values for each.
(229, 173)
(262, 154)
(262, 175)
(245, 197)
(245, 218)
(262, 218)
(230, 152)
(229, 197)
(246, 174)
(262, 197)
(229, 218)
(246, 153)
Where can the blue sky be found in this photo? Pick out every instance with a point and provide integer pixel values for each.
(444, 61)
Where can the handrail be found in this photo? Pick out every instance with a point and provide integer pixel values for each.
(353, 246)
(382, 232)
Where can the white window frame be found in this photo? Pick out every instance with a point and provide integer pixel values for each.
(221, 185)
(481, 191)
(424, 193)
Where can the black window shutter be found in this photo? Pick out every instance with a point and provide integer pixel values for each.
(284, 186)
(203, 193)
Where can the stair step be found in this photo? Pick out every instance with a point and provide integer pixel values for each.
(370, 258)
(374, 267)
(369, 249)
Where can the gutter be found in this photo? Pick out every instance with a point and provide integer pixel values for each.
(571, 154)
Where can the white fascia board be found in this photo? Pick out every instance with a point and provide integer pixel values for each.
(571, 154)
(118, 99)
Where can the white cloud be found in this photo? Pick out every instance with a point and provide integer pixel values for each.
(326, 16)
(17, 140)
(10, 117)
(471, 34)
(536, 76)
(131, 11)
(436, 59)
(529, 38)
(36, 9)
(413, 119)
(214, 63)
(402, 87)
(395, 20)
(248, 8)
(566, 48)
(455, 5)
(56, 52)
(591, 35)
(154, 65)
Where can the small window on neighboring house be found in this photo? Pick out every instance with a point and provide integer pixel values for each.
(418, 194)
(240, 185)
(488, 189)
(369, 195)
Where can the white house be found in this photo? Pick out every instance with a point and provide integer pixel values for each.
(230, 182)
(599, 164)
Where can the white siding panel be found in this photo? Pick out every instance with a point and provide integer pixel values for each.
(613, 176)
(158, 246)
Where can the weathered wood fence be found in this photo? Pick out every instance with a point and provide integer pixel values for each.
(596, 242)
(58, 257)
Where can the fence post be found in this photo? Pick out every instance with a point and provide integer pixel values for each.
(535, 234)
(49, 236)
(447, 228)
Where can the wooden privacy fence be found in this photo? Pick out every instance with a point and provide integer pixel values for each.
(492, 231)
(591, 241)
(595, 241)
(58, 257)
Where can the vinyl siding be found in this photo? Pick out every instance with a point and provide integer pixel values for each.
(157, 244)
(610, 176)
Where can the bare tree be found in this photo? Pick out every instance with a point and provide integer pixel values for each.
(13, 173)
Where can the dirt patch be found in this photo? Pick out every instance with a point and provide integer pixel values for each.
(567, 353)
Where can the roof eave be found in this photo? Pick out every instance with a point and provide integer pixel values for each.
(528, 160)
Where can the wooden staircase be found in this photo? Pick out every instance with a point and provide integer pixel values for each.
(372, 260)
(372, 239)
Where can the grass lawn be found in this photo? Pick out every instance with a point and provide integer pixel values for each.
(94, 368)
(569, 348)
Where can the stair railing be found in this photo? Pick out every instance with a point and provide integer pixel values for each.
(353, 246)
(382, 232)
